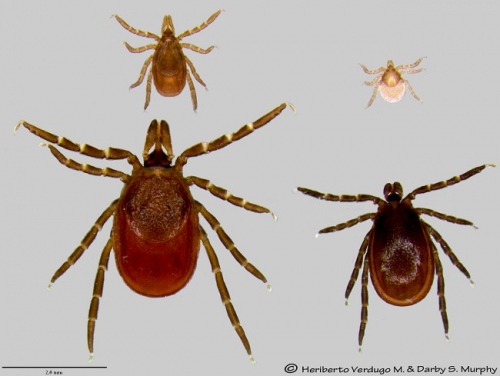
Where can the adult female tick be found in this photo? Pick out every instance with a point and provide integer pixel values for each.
(169, 65)
(156, 233)
(398, 250)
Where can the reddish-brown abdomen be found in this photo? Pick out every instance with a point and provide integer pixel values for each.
(169, 68)
(155, 233)
(400, 254)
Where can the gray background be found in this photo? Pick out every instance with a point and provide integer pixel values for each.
(64, 69)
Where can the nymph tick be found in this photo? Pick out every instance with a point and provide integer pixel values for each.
(169, 68)
(156, 235)
(390, 81)
(398, 250)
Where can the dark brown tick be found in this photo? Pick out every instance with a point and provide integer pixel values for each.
(390, 81)
(398, 250)
(156, 233)
(169, 69)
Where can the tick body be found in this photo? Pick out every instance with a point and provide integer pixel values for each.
(390, 82)
(398, 251)
(169, 65)
(156, 232)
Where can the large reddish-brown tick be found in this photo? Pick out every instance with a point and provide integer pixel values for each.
(169, 64)
(156, 235)
(390, 82)
(398, 250)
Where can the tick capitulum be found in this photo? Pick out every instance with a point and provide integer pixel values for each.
(390, 82)
(398, 251)
(156, 233)
(169, 66)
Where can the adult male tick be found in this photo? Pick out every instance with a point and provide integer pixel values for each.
(156, 232)
(390, 82)
(398, 250)
(169, 65)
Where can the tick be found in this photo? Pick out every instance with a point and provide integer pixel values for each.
(169, 65)
(390, 82)
(156, 232)
(398, 250)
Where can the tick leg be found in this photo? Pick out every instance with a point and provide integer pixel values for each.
(192, 90)
(148, 89)
(447, 250)
(372, 82)
(409, 66)
(141, 33)
(96, 295)
(375, 89)
(376, 71)
(350, 223)
(143, 72)
(229, 244)
(440, 289)
(364, 303)
(200, 27)
(194, 48)
(86, 242)
(411, 71)
(340, 198)
(411, 91)
(357, 266)
(195, 74)
(445, 217)
(140, 49)
(91, 151)
(207, 147)
(224, 293)
(88, 169)
(223, 194)
(446, 183)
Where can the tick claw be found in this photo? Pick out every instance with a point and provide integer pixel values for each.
(91, 358)
(275, 217)
(269, 288)
(16, 127)
(252, 359)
